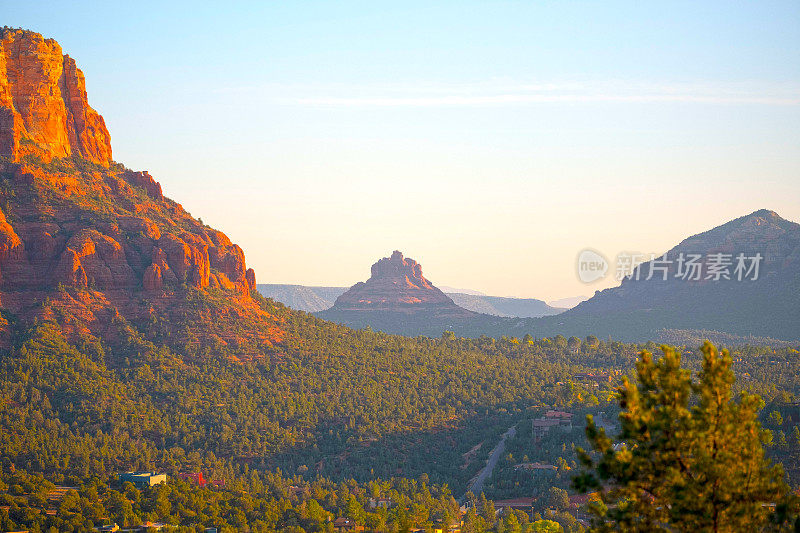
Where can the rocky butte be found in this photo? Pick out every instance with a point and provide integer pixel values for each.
(398, 299)
(396, 284)
(91, 244)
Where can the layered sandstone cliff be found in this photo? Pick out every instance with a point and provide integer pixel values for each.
(97, 240)
(44, 110)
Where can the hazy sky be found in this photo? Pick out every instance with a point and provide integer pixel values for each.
(491, 141)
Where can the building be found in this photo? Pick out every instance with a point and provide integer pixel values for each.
(142, 479)
(343, 524)
(374, 503)
(595, 379)
(564, 418)
(536, 467)
(515, 503)
(147, 527)
(197, 477)
(541, 426)
(551, 419)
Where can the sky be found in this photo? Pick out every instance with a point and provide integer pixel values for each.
(490, 141)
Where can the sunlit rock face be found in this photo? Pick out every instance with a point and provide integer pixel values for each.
(90, 244)
(396, 283)
(398, 299)
(43, 104)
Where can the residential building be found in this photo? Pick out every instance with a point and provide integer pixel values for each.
(143, 479)
(541, 426)
(374, 503)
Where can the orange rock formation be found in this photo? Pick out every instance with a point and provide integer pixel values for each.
(81, 230)
(43, 105)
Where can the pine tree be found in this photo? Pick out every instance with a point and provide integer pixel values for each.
(692, 458)
(487, 510)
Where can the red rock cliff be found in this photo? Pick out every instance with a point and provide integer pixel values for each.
(43, 105)
(101, 242)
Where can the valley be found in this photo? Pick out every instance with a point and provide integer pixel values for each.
(147, 382)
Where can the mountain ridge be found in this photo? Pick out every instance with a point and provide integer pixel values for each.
(641, 309)
(767, 307)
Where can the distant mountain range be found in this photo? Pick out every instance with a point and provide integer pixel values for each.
(682, 299)
(315, 299)
(301, 297)
(567, 303)
(506, 307)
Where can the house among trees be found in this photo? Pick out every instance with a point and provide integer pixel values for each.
(197, 477)
(515, 503)
(564, 418)
(374, 503)
(541, 426)
(596, 379)
(142, 479)
(343, 524)
(551, 419)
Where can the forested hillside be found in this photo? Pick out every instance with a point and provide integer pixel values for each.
(327, 401)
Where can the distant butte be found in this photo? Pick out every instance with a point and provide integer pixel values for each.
(396, 284)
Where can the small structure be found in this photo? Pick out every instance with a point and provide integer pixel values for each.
(295, 490)
(596, 379)
(541, 426)
(197, 477)
(143, 479)
(536, 467)
(374, 503)
(515, 503)
(564, 418)
(551, 419)
(148, 526)
(342, 524)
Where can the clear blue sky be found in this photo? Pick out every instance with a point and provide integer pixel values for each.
(491, 141)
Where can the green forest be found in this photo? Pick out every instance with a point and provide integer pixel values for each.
(311, 431)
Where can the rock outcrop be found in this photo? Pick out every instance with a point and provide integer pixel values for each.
(100, 241)
(396, 283)
(398, 299)
(43, 105)
(110, 254)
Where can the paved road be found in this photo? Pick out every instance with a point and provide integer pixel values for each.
(486, 472)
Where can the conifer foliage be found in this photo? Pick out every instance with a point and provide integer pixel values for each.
(689, 456)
